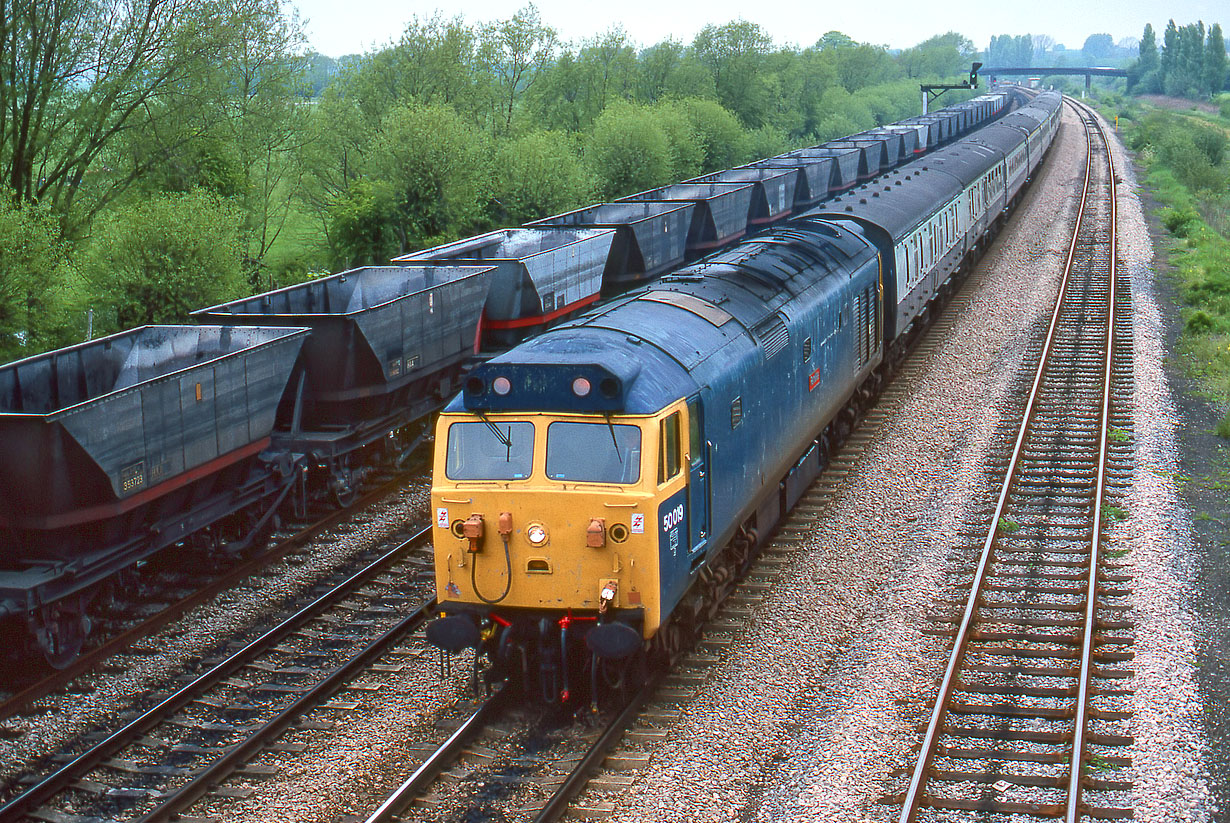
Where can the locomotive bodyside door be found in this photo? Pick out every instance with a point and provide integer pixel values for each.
(698, 478)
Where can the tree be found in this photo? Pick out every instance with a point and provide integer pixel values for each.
(78, 74)
(1043, 45)
(1215, 60)
(261, 92)
(438, 174)
(722, 139)
(32, 280)
(157, 259)
(736, 54)
(1143, 75)
(1170, 51)
(537, 175)
(1098, 46)
(434, 61)
(627, 151)
(667, 70)
(939, 56)
(513, 52)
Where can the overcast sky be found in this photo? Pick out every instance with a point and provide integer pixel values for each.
(352, 26)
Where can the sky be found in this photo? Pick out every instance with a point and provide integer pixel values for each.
(355, 26)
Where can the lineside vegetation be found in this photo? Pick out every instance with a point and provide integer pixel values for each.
(167, 154)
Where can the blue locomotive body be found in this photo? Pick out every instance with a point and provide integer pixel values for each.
(760, 352)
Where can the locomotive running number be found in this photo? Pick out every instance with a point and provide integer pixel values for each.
(672, 518)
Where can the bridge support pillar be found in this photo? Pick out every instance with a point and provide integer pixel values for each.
(1088, 84)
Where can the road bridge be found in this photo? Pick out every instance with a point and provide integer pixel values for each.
(1089, 72)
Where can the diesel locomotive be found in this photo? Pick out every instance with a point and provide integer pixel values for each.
(597, 488)
(173, 438)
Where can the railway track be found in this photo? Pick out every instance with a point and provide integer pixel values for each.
(20, 694)
(162, 760)
(1032, 714)
(534, 778)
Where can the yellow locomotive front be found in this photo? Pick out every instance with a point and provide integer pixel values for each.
(546, 532)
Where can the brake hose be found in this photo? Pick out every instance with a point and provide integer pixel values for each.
(507, 583)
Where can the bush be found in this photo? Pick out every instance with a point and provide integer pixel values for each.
(155, 260)
(627, 151)
(1223, 426)
(1199, 322)
(723, 140)
(1180, 221)
(687, 152)
(437, 171)
(537, 175)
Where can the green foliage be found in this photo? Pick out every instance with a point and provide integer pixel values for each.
(687, 153)
(627, 151)
(1192, 151)
(32, 280)
(155, 260)
(943, 55)
(537, 175)
(1007, 50)
(1180, 221)
(1191, 64)
(1199, 322)
(723, 141)
(1198, 215)
(437, 170)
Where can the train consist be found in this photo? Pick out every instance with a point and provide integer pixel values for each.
(598, 488)
(166, 437)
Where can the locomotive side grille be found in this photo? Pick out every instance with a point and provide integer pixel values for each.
(772, 334)
(860, 322)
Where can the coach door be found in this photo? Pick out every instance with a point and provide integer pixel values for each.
(698, 479)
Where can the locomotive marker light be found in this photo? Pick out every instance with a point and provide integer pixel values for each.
(536, 534)
(581, 387)
(501, 386)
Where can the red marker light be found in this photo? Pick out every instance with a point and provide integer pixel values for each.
(501, 385)
(581, 387)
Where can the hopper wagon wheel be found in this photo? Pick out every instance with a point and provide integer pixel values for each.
(343, 484)
(60, 631)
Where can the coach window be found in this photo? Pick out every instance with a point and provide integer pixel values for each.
(669, 460)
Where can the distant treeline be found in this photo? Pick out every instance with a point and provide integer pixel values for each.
(1191, 62)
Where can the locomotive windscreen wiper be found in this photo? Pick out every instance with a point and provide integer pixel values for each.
(505, 438)
(611, 428)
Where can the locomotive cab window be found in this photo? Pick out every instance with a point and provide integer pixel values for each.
(490, 450)
(669, 461)
(593, 452)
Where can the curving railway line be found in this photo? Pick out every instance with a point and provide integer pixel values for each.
(1033, 711)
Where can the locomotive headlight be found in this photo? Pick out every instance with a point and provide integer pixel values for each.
(536, 534)
(501, 385)
(581, 387)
